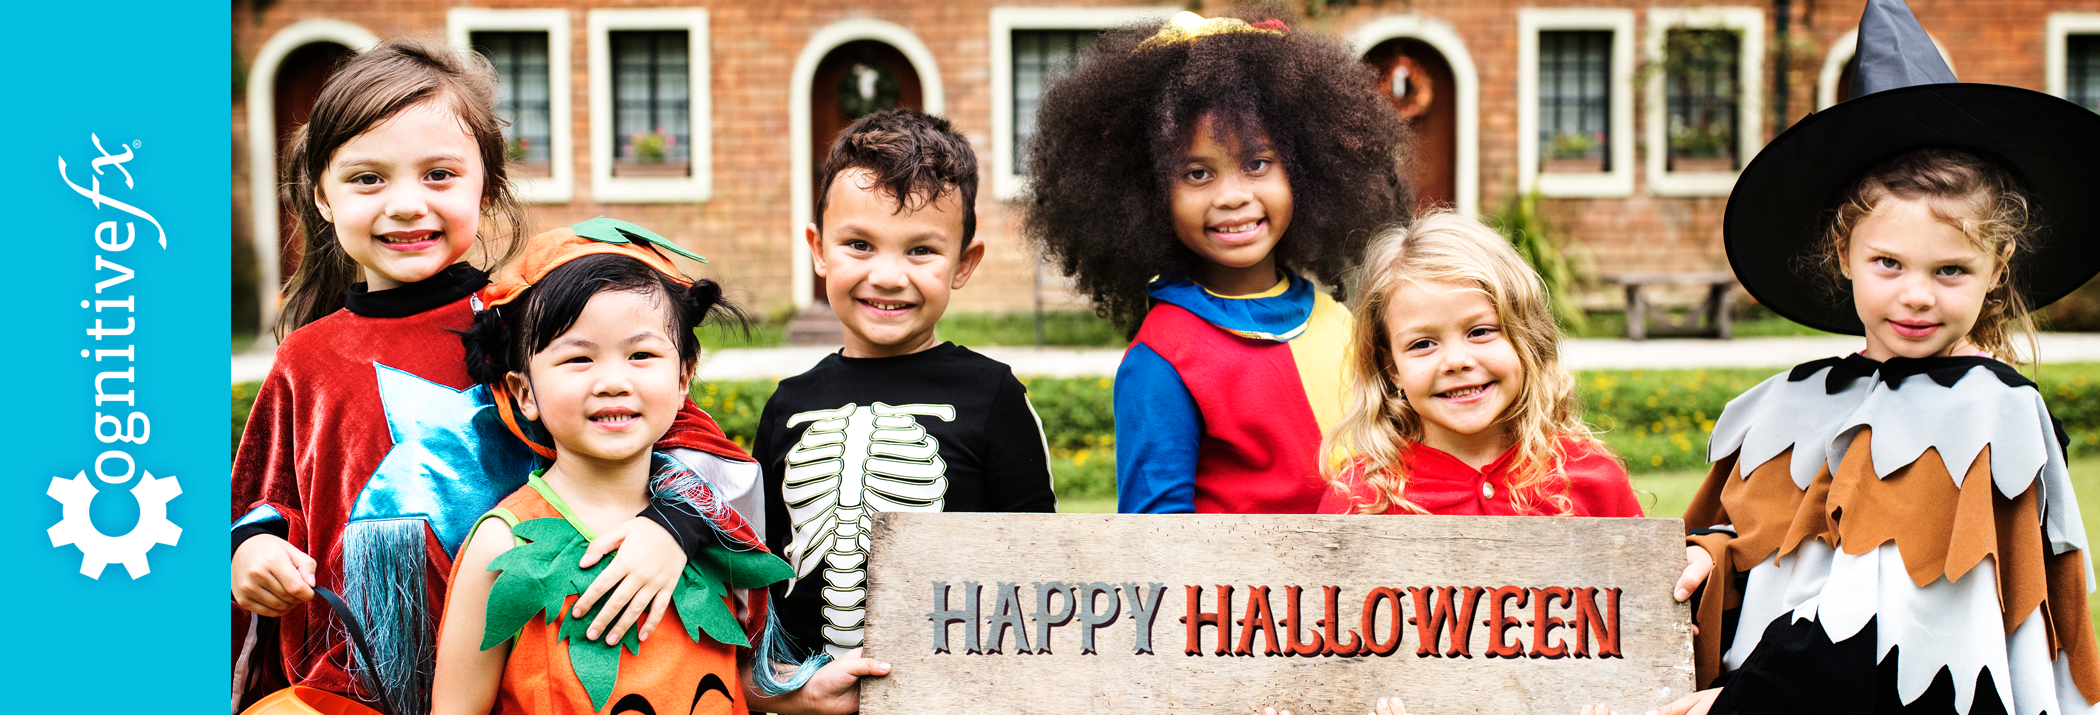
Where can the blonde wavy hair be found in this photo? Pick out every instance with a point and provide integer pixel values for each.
(1971, 194)
(1379, 428)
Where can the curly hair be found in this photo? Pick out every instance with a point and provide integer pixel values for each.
(914, 157)
(1379, 427)
(1968, 192)
(1110, 136)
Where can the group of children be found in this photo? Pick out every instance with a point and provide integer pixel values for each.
(502, 475)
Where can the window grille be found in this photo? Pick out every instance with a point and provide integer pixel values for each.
(522, 95)
(651, 102)
(1038, 55)
(2082, 75)
(1575, 99)
(1701, 96)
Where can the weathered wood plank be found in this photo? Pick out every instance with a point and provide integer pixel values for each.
(1012, 559)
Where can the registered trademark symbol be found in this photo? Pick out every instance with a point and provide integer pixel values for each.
(136, 144)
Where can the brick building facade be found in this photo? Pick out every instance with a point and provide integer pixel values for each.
(1594, 103)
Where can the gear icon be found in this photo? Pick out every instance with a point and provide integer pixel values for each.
(97, 549)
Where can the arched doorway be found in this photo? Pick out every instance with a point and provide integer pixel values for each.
(298, 85)
(1419, 83)
(854, 80)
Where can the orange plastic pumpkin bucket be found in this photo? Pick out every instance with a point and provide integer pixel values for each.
(302, 700)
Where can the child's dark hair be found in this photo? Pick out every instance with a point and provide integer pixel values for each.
(368, 89)
(1110, 136)
(916, 158)
(504, 339)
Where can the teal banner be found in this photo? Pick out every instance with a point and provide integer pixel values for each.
(116, 171)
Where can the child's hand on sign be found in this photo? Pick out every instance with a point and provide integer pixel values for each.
(1385, 706)
(833, 690)
(1695, 704)
(270, 576)
(1698, 564)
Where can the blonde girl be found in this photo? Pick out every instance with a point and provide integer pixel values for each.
(1456, 400)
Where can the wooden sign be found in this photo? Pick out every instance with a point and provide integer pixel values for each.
(1064, 613)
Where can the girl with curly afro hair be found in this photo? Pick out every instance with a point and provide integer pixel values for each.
(1191, 177)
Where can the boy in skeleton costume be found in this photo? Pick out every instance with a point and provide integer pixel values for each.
(1895, 529)
(896, 421)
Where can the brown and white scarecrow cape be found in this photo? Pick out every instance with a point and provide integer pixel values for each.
(1900, 535)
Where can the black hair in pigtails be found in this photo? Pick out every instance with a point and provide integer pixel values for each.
(503, 340)
(488, 349)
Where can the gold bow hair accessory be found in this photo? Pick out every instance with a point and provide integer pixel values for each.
(1187, 26)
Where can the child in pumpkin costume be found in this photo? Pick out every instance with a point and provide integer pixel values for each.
(1895, 529)
(594, 337)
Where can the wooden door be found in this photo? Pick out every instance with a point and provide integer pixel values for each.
(299, 80)
(856, 79)
(1418, 81)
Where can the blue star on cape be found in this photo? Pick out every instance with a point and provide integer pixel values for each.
(452, 459)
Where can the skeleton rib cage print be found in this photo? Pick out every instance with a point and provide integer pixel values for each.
(850, 462)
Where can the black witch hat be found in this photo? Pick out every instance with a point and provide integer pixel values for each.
(1905, 97)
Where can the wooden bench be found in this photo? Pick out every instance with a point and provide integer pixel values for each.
(1720, 287)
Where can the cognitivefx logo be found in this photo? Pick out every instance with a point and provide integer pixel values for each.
(75, 528)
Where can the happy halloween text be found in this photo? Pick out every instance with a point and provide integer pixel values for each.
(1228, 620)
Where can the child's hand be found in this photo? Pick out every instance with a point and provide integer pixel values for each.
(640, 578)
(833, 690)
(270, 576)
(1694, 704)
(1600, 709)
(1698, 564)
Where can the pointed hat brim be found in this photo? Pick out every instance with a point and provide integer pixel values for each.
(1783, 201)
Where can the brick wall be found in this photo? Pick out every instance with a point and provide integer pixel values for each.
(745, 228)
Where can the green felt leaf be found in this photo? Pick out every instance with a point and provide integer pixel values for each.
(612, 230)
(744, 569)
(700, 605)
(527, 572)
(597, 666)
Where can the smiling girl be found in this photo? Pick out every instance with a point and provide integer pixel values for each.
(1195, 179)
(1896, 529)
(1458, 403)
(595, 339)
(369, 452)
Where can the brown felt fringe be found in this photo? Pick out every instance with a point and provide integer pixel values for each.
(1941, 531)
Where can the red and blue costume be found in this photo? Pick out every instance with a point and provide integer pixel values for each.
(1221, 400)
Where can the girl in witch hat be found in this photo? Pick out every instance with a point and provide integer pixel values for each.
(1895, 529)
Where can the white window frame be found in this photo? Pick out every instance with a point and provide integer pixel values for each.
(461, 23)
(609, 189)
(1616, 183)
(1749, 24)
(1006, 185)
(2062, 25)
(1446, 41)
(1840, 54)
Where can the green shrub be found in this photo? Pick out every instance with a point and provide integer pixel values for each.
(1657, 420)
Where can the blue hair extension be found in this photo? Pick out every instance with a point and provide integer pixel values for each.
(384, 565)
(772, 651)
(679, 486)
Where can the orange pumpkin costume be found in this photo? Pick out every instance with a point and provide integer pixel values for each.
(678, 674)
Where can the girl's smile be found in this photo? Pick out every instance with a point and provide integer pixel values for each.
(1230, 206)
(608, 388)
(405, 196)
(1917, 282)
(1454, 367)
